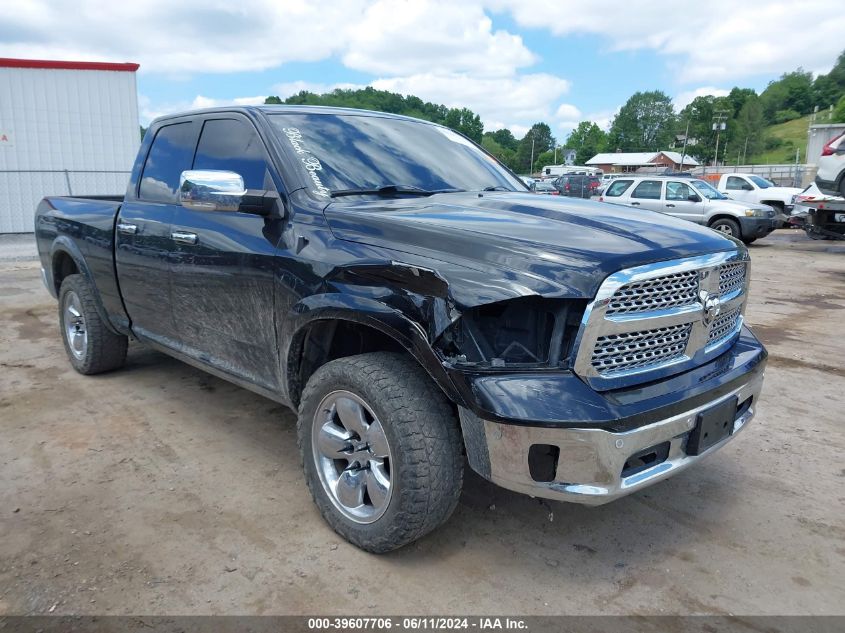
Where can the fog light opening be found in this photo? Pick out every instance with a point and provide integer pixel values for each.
(542, 461)
(645, 459)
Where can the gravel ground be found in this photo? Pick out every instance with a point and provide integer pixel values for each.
(159, 489)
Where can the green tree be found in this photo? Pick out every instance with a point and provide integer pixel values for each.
(829, 88)
(505, 138)
(505, 155)
(588, 139)
(839, 111)
(793, 91)
(272, 100)
(644, 123)
(750, 128)
(738, 96)
(701, 113)
(466, 122)
(540, 135)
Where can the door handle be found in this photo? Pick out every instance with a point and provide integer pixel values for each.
(670, 205)
(129, 229)
(635, 204)
(184, 237)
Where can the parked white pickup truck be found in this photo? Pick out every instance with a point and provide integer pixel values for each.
(754, 188)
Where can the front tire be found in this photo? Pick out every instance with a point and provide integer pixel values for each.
(381, 450)
(91, 347)
(728, 227)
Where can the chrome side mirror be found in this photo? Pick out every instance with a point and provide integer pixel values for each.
(211, 190)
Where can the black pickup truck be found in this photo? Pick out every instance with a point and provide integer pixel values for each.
(417, 307)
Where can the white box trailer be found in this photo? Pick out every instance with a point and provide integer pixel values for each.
(66, 128)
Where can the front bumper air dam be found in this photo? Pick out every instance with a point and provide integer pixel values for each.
(596, 433)
(591, 461)
(757, 227)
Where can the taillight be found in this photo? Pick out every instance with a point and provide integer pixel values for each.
(555, 193)
(831, 146)
(567, 186)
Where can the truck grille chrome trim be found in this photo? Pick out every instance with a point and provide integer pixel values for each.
(678, 289)
(725, 326)
(651, 321)
(732, 277)
(632, 350)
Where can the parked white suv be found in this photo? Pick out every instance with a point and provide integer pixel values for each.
(696, 201)
(831, 175)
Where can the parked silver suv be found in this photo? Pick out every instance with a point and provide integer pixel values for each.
(694, 200)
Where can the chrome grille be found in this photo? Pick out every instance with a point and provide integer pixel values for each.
(655, 320)
(632, 350)
(731, 277)
(724, 326)
(668, 291)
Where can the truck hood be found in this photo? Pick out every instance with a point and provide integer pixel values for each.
(515, 244)
(781, 192)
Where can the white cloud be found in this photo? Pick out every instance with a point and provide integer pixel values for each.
(724, 42)
(207, 102)
(685, 98)
(503, 101)
(567, 111)
(183, 37)
(410, 37)
(290, 88)
(147, 111)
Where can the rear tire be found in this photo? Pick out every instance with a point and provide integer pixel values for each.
(728, 227)
(381, 450)
(91, 347)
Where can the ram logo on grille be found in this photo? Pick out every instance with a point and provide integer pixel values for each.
(663, 317)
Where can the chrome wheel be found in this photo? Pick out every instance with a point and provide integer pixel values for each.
(726, 229)
(76, 334)
(352, 456)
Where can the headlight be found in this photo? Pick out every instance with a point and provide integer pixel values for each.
(755, 213)
(526, 332)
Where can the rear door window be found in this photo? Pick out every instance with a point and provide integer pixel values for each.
(648, 190)
(170, 155)
(617, 188)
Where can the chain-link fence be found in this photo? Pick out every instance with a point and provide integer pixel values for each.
(794, 175)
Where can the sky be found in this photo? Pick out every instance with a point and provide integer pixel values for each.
(513, 62)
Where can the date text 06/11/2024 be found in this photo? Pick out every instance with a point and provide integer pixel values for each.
(417, 623)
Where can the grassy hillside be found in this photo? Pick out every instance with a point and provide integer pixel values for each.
(792, 134)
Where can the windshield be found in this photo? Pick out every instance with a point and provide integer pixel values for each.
(761, 182)
(707, 190)
(544, 186)
(348, 152)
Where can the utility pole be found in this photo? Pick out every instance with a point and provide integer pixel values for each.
(555, 153)
(531, 166)
(719, 118)
(684, 151)
(745, 150)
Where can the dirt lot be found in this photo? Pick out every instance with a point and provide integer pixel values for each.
(161, 490)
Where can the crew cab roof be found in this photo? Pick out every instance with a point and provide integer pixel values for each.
(287, 109)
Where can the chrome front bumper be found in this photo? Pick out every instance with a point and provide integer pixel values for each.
(591, 461)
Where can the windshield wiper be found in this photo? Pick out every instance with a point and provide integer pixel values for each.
(391, 190)
(496, 188)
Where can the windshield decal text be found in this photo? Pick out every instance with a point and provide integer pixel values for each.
(311, 163)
